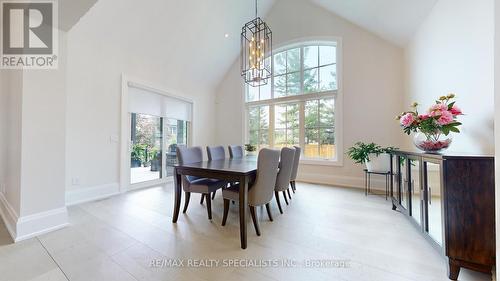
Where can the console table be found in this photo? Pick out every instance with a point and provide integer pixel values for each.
(450, 198)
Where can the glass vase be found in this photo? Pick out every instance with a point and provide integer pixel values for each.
(432, 142)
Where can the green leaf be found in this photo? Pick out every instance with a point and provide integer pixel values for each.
(450, 105)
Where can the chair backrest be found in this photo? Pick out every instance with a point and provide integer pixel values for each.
(215, 153)
(188, 155)
(267, 169)
(286, 165)
(296, 159)
(235, 151)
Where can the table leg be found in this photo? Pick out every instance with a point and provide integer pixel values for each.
(178, 194)
(243, 211)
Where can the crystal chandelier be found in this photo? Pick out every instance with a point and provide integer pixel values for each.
(256, 46)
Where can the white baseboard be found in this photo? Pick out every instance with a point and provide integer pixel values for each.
(88, 194)
(25, 227)
(41, 223)
(9, 216)
(377, 182)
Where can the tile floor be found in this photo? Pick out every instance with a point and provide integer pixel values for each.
(120, 237)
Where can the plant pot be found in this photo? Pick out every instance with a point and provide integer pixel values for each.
(251, 153)
(135, 163)
(155, 165)
(380, 163)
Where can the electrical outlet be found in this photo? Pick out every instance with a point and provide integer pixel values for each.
(114, 138)
(75, 181)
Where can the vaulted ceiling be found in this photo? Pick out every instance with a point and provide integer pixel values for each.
(393, 20)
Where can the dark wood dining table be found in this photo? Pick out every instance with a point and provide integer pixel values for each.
(240, 170)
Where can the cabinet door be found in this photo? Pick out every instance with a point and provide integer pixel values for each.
(403, 180)
(416, 190)
(395, 179)
(432, 180)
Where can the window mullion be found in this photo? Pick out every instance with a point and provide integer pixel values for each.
(271, 126)
(301, 70)
(302, 126)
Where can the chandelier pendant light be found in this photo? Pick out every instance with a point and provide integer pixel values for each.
(256, 51)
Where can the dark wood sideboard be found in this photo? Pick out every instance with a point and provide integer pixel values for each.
(450, 198)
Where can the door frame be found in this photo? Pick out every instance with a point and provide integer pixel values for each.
(127, 81)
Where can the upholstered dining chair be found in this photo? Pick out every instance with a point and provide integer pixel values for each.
(235, 151)
(261, 191)
(295, 169)
(214, 153)
(192, 184)
(284, 175)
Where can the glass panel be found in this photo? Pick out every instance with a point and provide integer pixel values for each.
(253, 118)
(280, 63)
(293, 60)
(327, 141)
(311, 80)
(404, 182)
(263, 139)
(176, 135)
(253, 137)
(328, 78)
(264, 117)
(280, 116)
(310, 57)
(326, 113)
(265, 91)
(293, 83)
(146, 154)
(434, 208)
(395, 179)
(327, 55)
(280, 86)
(293, 115)
(312, 144)
(252, 93)
(415, 190)
(311, 114)
(279, 138)
(293, 139)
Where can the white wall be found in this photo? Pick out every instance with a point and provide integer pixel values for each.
(453, 52)
(147, 42)
(372, 83)
(11, 92)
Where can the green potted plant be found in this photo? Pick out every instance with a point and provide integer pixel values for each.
(155, 157)
(375, 157)
(251, 149)
(137, 155)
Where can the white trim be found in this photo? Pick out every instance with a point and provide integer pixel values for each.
(25, 227)
(336, 94)
(344, 181)
(146, 184)
(128, 81)
(9, 215)
(82, 195)
(41, 223)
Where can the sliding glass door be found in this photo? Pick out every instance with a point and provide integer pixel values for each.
(147, 146)
(176, 134)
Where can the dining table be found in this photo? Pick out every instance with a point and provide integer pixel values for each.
(232, 170)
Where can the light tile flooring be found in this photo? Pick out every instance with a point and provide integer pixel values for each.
(117, 238)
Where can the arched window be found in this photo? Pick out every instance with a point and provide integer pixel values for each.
(299, 105)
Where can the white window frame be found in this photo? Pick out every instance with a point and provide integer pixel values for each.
(302, 98)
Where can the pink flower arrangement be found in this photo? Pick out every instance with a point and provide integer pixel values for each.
(440, 119)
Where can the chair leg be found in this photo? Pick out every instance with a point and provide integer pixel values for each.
(202, 198)
(255, 220)
(277, 195)
(213, 195)
(284, 196)
(289, 196)
(186, 201)
(294, 186)
(226, 211)
(209, 206)
(291, 185)
(268, 208)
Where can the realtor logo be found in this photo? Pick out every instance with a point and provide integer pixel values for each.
(28, 35)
